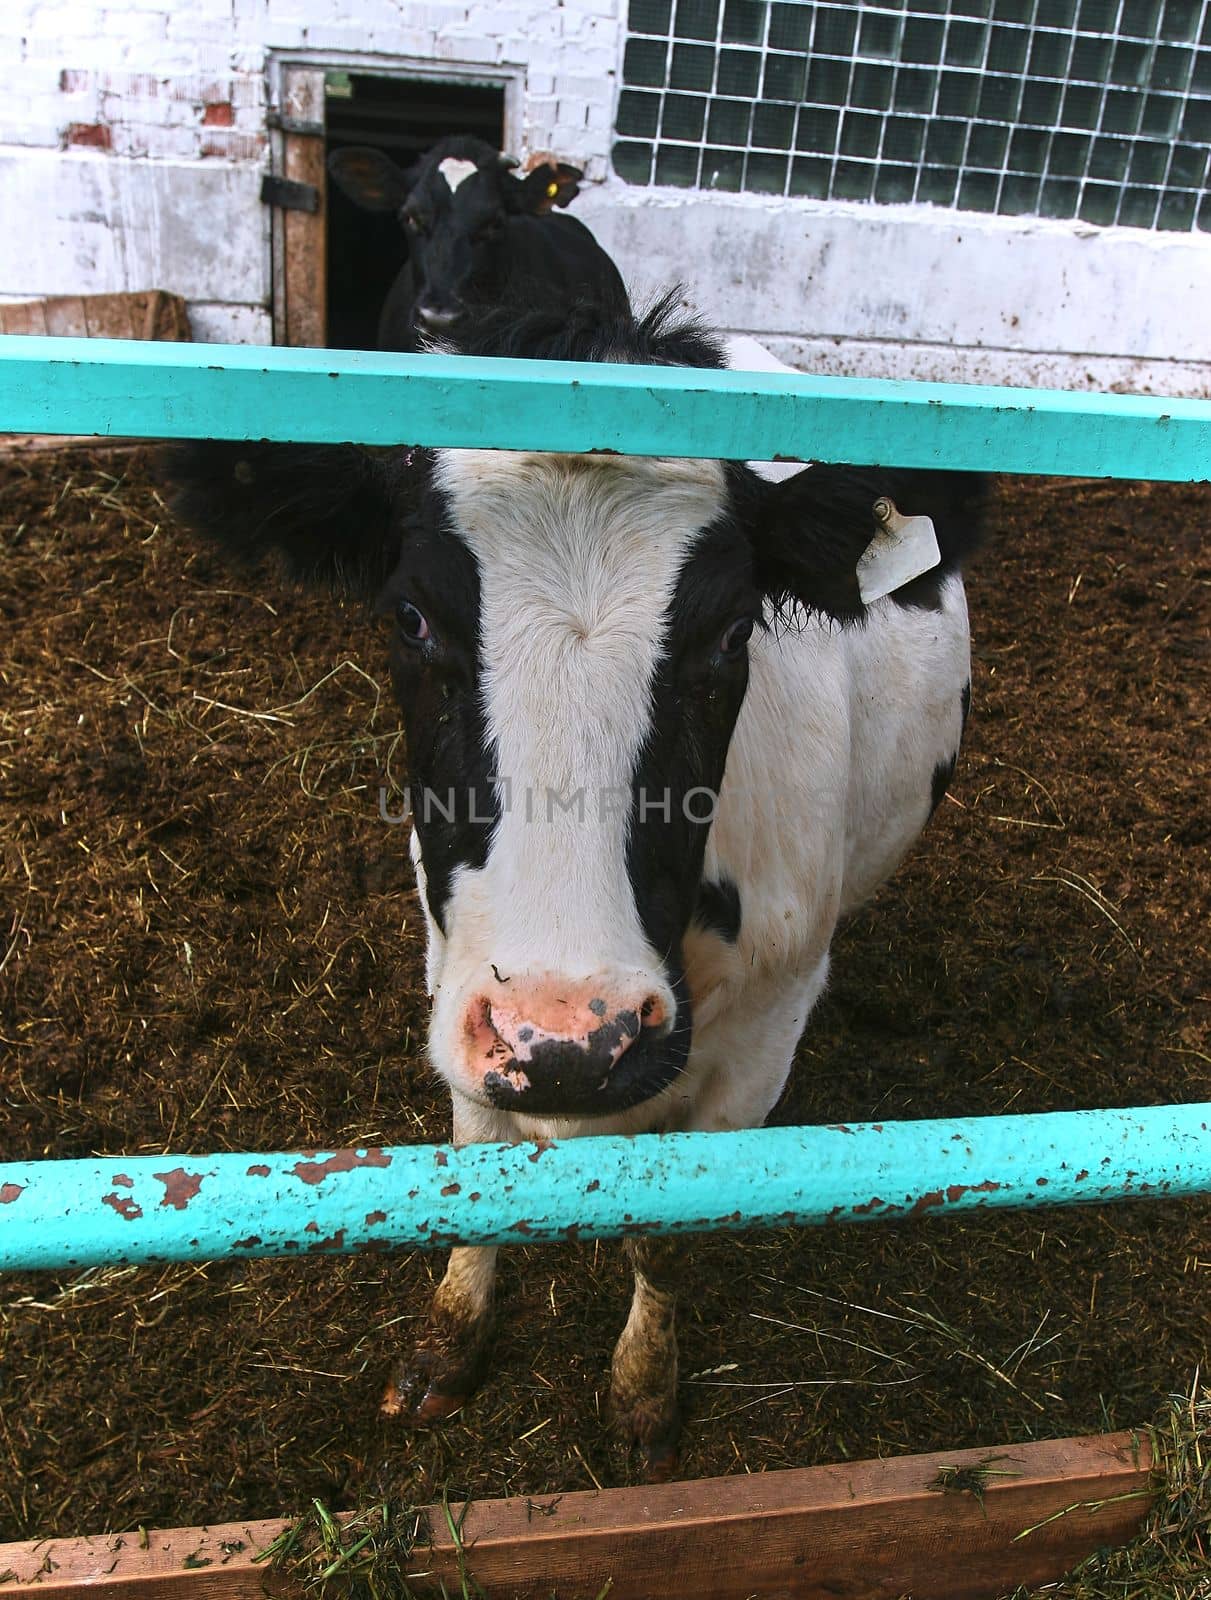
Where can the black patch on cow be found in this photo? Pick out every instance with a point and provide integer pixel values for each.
(696, 696)
(923, 593)
(450, 763)
(942, 774)
(568, 326)
(965, 705)
(331, 511)
(809, 531)
(718, 908)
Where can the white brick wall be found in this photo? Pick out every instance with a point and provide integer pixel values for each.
(133, 137)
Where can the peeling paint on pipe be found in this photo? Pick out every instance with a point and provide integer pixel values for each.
(68, 1214)
(149, 390)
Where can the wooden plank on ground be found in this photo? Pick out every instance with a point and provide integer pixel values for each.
(872, 1530)
(142, 314)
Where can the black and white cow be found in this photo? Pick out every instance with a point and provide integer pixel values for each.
(657, 745)
(477, 234)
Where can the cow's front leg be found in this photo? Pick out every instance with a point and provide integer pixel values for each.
(445, 1365)
(643, 1384)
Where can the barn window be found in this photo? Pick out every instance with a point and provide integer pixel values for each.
(1097, 109)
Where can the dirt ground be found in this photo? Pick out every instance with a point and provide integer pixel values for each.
(210, 940)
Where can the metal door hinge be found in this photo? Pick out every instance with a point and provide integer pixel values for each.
(289, 194)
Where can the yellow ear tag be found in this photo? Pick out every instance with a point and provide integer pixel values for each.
(552, 190)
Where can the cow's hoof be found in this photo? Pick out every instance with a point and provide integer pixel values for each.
(651, 1427)
(436, 1379)
(407, 1399)
(660, 1465)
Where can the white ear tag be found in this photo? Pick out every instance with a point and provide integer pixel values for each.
(902, 550)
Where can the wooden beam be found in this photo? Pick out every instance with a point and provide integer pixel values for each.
(871, 1530)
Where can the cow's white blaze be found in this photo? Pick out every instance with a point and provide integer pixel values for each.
(578, 560)
(455, 171)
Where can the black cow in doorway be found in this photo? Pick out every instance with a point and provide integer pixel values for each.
(477, 235)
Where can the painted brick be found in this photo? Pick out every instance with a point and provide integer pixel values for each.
(247, 91)
(586, 85)
(225, 145)
(92, 135)
(27, 133)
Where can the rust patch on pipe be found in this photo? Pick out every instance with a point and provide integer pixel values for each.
(926, 1202)
(179, 1186)
(121, 1181)
(872, 1204)
(342, 1161)
(335, 1242)
(258, 1170)
(250, 1243)
(956, 1191)
(9, 1192)
(452, 1188)
(129, 1210)
(373, 1217)
(541, 1148)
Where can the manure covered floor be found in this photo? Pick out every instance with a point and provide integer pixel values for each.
(210, 940)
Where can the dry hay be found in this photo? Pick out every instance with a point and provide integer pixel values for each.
(210, 941)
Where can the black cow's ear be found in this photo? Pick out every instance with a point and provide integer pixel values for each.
(810, 531)
(369, 178)
(331, 511)
(554, 183)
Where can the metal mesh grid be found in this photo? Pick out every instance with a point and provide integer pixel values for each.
(1098, 109)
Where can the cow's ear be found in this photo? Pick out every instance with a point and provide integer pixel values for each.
(369, 178)
(554, 183)
(331, 512)
(810, 532)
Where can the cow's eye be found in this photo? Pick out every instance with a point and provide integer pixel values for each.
(735, 637)
(413, 627)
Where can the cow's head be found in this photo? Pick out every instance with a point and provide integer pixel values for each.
(454, 206)
(569, 640)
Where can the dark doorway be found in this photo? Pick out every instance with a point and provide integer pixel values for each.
(403, 117)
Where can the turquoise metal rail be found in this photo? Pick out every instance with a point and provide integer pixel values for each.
(127, 388)
(67, 1214)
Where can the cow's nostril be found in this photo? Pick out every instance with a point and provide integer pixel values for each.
(652, 1012)
(438, 316)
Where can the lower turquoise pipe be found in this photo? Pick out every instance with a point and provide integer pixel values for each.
(123, 1209)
